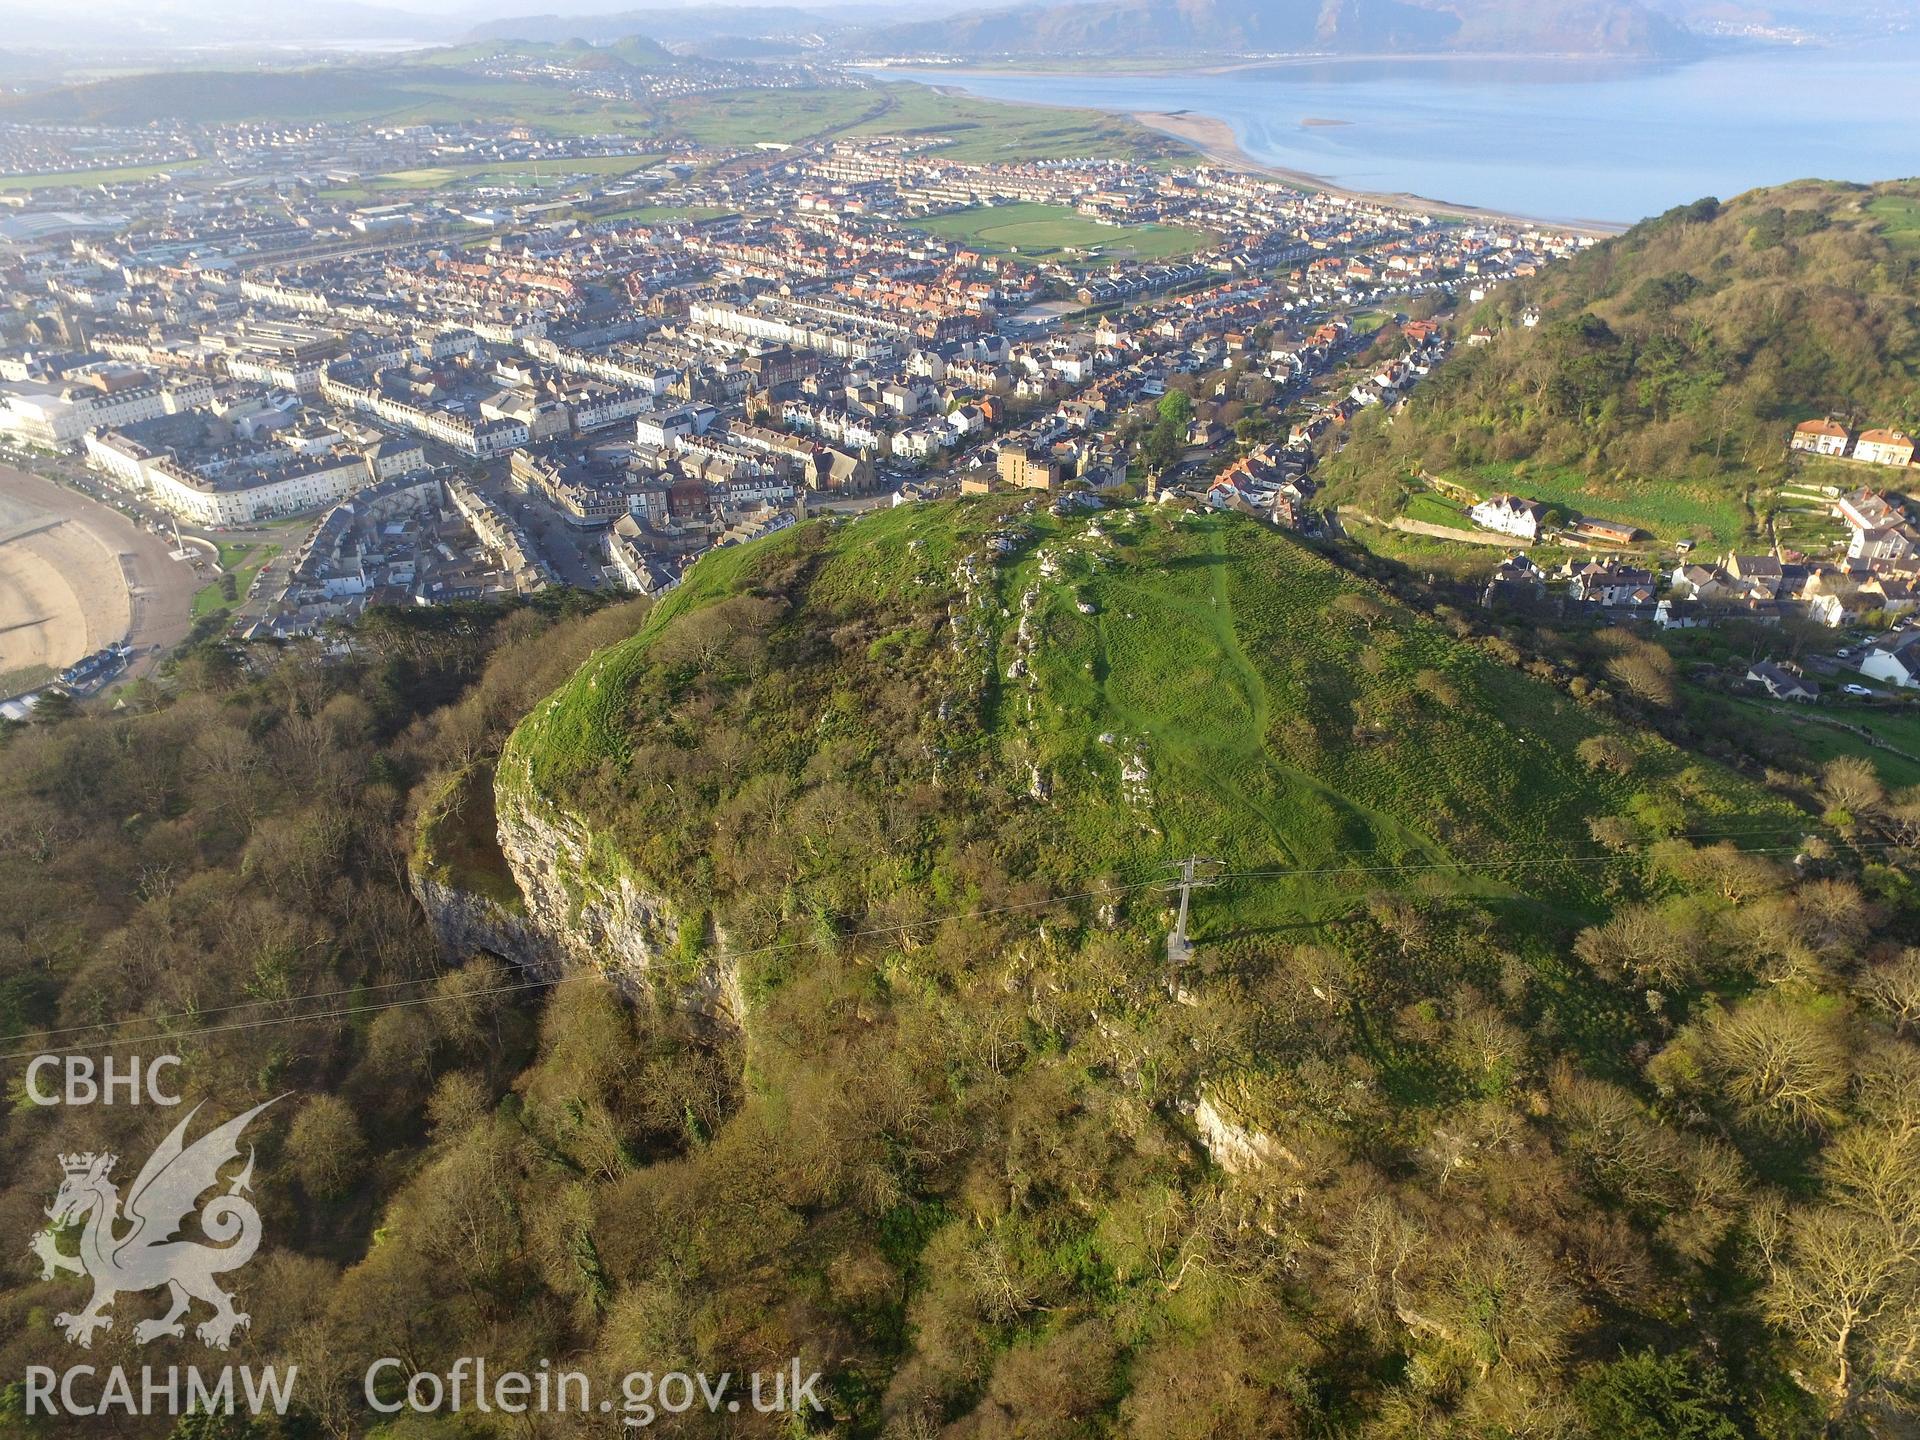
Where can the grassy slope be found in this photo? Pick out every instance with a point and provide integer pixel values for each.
(244, 563)
(1899, 217)
(213, 97)
(1665, 506)
(1823, 734)
(1280, 731)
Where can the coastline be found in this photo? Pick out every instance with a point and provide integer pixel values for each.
(1202, 65)
(1214, 138)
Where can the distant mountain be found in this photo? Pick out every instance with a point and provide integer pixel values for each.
(1570, 27)
(180, 24)
(632, 52)
(1239, 27)
(695, 24)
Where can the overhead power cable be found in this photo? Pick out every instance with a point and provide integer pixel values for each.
(1536, 859)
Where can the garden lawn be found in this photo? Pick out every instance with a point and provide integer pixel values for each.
(1669, 509)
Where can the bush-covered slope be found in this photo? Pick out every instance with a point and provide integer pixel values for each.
(1398, 1155)
(1489, 1016)
(1680, 354)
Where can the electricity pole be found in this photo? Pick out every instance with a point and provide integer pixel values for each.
(1179, 948)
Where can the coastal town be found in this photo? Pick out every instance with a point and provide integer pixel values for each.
(646, 356)
(344, 380)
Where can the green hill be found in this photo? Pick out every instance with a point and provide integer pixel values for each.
(633, 52)
(894, 801)
(212, 97)
(1669, 364)
(681, 24)
(1109, 695)
(1497, 1100)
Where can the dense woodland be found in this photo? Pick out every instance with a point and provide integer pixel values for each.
(1647, 1169)
(1685, 350)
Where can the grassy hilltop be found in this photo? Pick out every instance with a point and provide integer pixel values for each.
(1103, 697)
(919, 777)
(1670, 364)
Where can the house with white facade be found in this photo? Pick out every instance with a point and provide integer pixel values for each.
(1894, 658)
(1509, 515)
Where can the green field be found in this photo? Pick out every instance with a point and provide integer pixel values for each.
(983, 130)
(1053, 232)
(537, 173)
(651, 214)
(114, 176)
(979, 130)
(1819, 735)
(430, 97)
(431, 90)
(776, 117)
(398, 93)
(1899, 217)
(1433, 509)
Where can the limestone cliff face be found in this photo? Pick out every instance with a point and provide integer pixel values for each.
(465, 923)
(587, 910)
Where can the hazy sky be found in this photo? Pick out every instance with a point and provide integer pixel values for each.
(114, 23)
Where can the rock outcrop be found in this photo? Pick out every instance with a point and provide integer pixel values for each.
(1236, 1148)
(586, 908)
(499, 869)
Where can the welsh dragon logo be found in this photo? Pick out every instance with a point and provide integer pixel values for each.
(134, 1249)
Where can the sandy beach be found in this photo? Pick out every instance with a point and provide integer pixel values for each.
(1215, 139)
(76, 575)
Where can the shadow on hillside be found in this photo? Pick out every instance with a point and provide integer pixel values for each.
(1195, 562)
